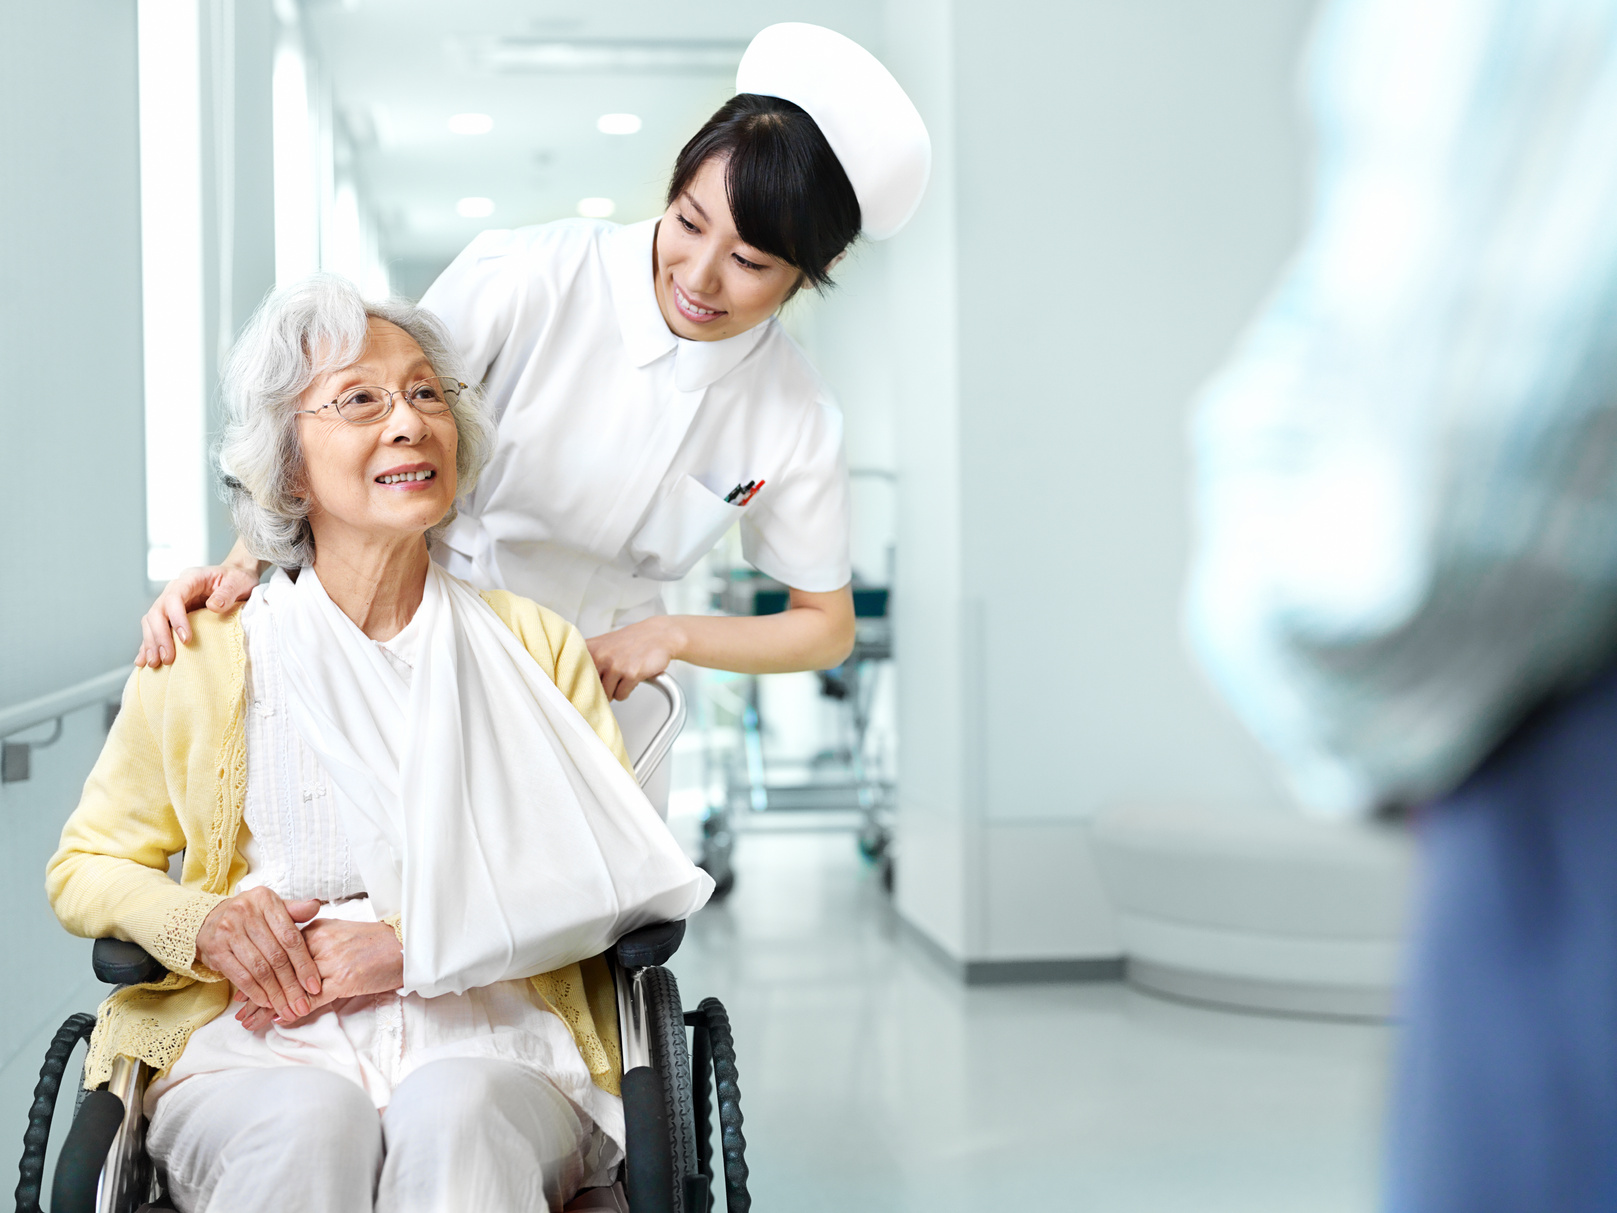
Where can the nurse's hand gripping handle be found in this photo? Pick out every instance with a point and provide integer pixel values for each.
(657, 748)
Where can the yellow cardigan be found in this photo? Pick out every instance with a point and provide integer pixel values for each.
(172, 777)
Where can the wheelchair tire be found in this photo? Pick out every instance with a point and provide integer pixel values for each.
(31, 1170)
(659, 1118)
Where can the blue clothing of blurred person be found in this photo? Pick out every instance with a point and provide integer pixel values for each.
(1406, 579)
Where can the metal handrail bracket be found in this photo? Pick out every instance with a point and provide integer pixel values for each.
(57, 704)
(16, 757)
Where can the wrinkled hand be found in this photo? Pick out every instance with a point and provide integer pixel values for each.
(354, 958)
(220, 586)
(629, 656)
(253, 939)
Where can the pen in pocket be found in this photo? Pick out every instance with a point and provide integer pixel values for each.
(740, 490)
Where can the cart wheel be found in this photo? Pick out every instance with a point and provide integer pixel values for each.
(873, 842)
(717, 846)
(723, 883)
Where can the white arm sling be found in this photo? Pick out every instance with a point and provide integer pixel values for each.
(478, 803)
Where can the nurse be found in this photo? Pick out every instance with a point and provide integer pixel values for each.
(638, 375)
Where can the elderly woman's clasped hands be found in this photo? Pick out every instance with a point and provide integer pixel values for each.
(287, 972)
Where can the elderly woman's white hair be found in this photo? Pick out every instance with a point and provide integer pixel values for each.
(299, 333)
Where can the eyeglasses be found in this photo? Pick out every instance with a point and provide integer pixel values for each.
(368, 404)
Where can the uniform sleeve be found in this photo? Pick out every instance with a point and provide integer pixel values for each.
(796, 531)
(480, 297)
(109, 875)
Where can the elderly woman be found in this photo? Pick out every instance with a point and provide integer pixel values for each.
(389, 792)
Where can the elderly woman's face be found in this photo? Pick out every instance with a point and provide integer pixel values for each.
(390, 478)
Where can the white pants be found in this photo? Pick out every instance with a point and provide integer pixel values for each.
(473, 1135)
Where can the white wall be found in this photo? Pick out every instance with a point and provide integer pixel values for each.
(1116, 187)
(73, 552)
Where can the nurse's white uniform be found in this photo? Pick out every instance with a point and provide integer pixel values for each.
(618, 440)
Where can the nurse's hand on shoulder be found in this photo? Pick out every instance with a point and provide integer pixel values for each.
(218, 587)
(627, 657)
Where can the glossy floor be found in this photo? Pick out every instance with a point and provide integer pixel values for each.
(871, 1079)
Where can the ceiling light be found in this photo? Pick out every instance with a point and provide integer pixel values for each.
(596, 208)
(618, 124)
(620, 55)
(475, 208)
(471, 124)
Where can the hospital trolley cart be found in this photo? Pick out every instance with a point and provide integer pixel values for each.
(748, 789)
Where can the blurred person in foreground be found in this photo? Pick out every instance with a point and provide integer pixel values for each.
(1406, 580)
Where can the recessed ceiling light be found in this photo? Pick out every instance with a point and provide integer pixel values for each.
(471, 124)
(596, 208)
(634, 57)
(618, 124)
(475, 208)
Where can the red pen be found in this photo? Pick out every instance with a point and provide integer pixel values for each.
(751, 494)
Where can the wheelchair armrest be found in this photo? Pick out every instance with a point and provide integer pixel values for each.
(121, 963)
(651, 945)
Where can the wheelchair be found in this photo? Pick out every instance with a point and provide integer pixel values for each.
(669, 1083)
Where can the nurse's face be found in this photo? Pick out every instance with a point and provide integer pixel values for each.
(710, 283)
(389, 480)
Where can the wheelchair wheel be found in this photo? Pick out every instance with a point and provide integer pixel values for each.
(31, 1171)
(658, 1114)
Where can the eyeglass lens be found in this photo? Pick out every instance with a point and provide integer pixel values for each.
(371, 403)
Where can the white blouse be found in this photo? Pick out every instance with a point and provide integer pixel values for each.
(298, 848)
(618, 440)
(294, 841)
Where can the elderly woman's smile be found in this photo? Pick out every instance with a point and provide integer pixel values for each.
(408, 479)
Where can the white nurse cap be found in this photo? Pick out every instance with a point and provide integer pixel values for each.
(868, 120)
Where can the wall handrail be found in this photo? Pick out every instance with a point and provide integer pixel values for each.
(57, 704)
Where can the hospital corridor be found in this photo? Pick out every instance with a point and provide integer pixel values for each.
(800, 605)
(897, 1086)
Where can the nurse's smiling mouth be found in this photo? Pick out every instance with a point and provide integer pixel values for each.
(692, 311)
(409, 477)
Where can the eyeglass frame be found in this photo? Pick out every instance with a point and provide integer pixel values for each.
(377, 387)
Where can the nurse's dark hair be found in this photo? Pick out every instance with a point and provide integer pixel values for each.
(789, 196)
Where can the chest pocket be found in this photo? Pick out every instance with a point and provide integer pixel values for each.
(682, 528)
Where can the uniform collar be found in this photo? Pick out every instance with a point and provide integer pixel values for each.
(646, 335)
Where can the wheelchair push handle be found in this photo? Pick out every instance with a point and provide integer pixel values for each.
(657, 748)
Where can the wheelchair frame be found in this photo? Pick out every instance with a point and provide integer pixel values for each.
(667, 1104)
